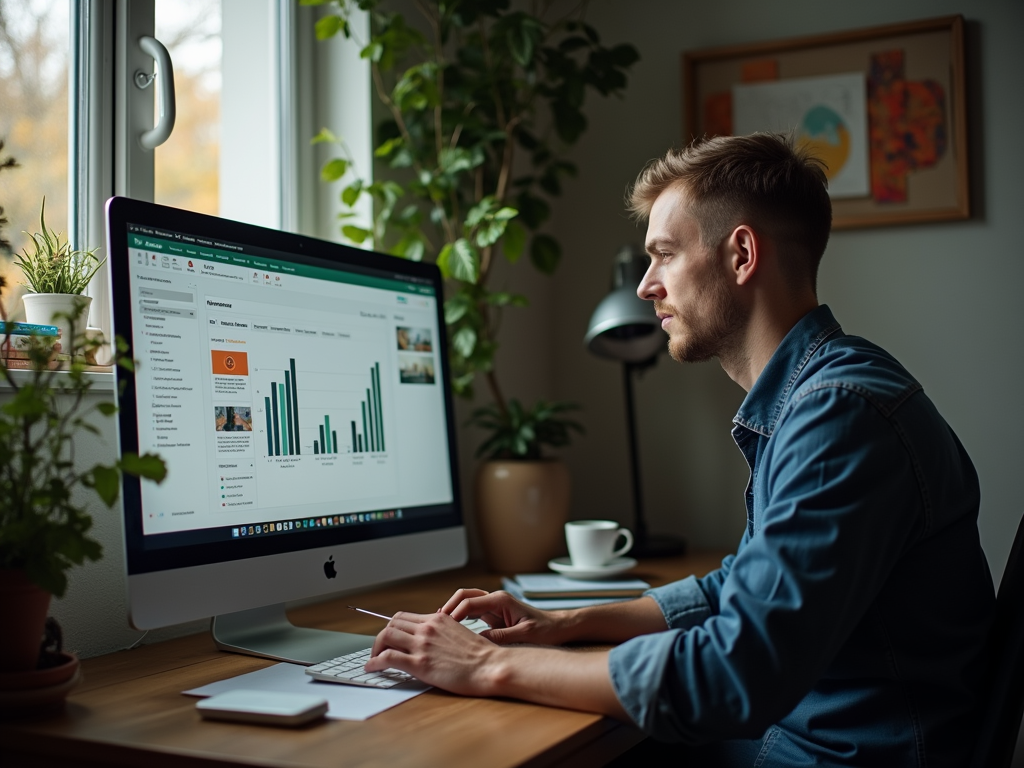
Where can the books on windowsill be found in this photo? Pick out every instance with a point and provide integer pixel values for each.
(553, 592)
(17, 339)
(62, 362)
(28, 329)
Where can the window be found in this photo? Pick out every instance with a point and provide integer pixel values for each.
(186, 166)
(34, 55)
(253, 86)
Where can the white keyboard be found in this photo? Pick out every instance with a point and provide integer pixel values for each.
(348, 669)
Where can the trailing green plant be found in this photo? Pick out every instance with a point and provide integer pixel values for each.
(481, 112)
(43, 529)
(53, 266)
(521, 433)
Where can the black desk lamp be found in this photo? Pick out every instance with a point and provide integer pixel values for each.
(625, 328)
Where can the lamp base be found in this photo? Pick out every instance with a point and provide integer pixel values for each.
(658, 546)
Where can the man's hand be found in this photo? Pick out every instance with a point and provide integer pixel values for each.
(439, 651)
(510, 620)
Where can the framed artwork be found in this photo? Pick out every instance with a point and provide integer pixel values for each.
(882, 107)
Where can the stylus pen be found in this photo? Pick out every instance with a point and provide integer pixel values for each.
(371, 613)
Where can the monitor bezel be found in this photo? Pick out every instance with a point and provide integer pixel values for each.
(140, 559)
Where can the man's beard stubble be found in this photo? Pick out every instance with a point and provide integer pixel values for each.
(711, 323)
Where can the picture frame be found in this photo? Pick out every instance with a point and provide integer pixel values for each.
(884, 107)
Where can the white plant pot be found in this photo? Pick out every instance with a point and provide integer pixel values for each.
(44, 308)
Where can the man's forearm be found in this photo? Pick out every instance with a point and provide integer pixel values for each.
(556, 677)
(612, 622)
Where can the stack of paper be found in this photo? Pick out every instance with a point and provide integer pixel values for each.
(554, 592)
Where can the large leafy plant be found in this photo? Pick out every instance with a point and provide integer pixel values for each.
(481, 110)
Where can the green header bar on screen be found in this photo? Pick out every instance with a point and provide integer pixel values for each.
(205, 253)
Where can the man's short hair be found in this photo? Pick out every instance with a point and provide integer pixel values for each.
(762, 180)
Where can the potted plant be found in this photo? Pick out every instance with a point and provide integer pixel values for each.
(481, 111)
(44, 529)
(56, 276)
(525, 495)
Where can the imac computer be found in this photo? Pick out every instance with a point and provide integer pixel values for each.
(298, 391)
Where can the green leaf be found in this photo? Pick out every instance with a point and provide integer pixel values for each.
(351, 193)
(334, 170)
(490, 233)
(455, 160)
(415, 250)
(355, 234)
(324, 137)
(455, 309)
(624, 55)
(506, 299)
(464, 261)
(373, 52)
(443, 259)
(107, 409)
(569, 121)
(312, 2)
(480, 211)
(106, 481)
(329, 26)
(533, 210)
(545, 253)
(464, 341)
(514, 242)
(388, 147)
(148, 466)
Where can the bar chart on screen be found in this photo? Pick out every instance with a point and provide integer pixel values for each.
(295, 427)
(321, 417)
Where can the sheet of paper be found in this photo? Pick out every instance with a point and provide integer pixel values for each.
(347, 702)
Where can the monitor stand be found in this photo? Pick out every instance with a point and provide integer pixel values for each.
(267, 632)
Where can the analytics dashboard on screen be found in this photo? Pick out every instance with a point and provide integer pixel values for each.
(285, 395)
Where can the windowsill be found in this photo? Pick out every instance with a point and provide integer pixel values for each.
(101, 381)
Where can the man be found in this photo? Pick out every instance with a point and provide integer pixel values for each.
(849, 627)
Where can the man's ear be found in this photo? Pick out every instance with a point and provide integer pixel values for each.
(744, 248)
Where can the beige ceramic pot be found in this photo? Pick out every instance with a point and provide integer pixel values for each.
(521, 510)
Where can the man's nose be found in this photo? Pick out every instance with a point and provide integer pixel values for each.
(650, 287)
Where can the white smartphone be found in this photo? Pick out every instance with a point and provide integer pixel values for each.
(263, 707)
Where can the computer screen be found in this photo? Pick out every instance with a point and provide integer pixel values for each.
(298, 392)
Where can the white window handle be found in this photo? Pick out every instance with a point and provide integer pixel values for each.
(160, 132)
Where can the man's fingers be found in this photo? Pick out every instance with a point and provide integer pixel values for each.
(387, 659)
(458, 597)
(397, 634)
(493, 603)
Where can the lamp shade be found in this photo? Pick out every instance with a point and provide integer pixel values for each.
(624, 327)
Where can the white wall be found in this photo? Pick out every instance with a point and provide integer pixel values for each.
(944, 298)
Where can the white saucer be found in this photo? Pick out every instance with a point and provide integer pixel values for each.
(565, 567)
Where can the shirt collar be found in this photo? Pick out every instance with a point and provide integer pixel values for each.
(765, 400)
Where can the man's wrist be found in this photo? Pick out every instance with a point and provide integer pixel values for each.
(496, 673)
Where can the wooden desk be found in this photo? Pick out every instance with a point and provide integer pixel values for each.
(129, 709)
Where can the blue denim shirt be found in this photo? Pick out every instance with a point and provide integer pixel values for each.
(849, 627)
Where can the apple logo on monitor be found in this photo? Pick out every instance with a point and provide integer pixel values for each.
(329, 571)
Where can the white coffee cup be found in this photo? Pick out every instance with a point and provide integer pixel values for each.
(591, 542)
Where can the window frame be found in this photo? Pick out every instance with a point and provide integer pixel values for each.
(312, 84)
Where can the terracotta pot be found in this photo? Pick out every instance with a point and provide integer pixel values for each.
(521, 509)
(23, 608)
